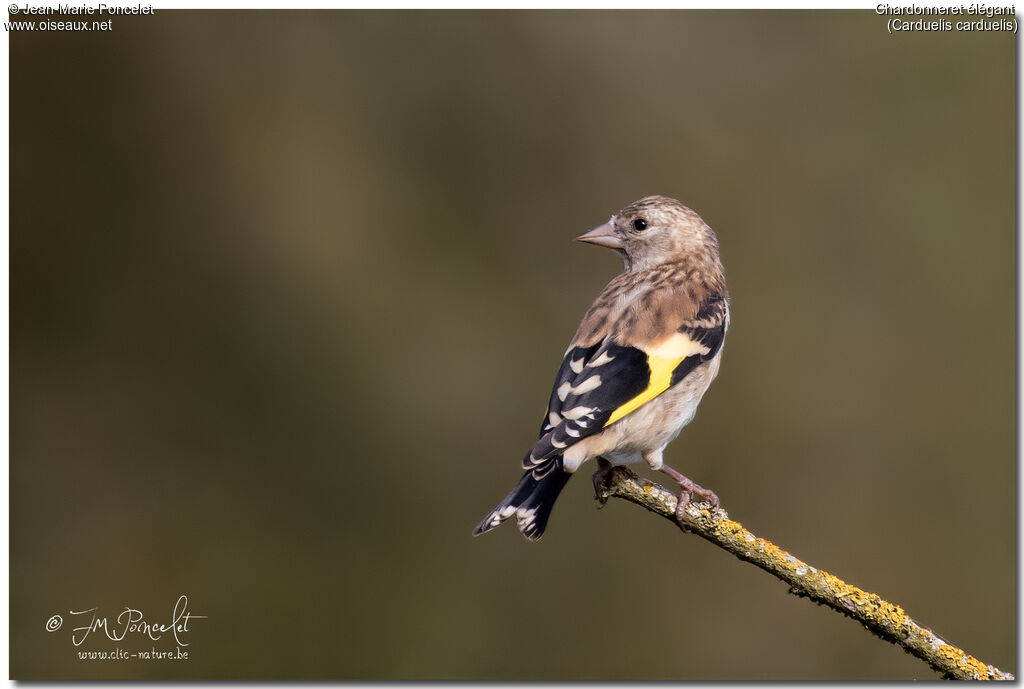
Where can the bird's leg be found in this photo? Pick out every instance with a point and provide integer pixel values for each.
(688, 488)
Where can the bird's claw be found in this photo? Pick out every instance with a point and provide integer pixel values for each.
(687, 489)
(684, 502)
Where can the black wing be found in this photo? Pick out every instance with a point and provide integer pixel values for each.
(598, 385)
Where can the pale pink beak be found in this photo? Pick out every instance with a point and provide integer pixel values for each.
(602, 235)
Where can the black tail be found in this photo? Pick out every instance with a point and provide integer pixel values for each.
(531, 501)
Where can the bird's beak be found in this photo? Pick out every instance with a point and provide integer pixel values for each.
(602, 235)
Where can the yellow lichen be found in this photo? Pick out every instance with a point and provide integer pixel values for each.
(730, 528)
(965, 664)
(843, 590)
(893, 613)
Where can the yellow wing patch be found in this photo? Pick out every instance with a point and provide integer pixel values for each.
(662, 359)
(660, 380)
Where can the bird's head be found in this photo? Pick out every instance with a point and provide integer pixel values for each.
(654, 230)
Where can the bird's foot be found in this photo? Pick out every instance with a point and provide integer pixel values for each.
(687, 489)
(604, 470)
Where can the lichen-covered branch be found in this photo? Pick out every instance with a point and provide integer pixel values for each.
(887, 620)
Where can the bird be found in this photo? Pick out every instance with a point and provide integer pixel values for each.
(642, 358)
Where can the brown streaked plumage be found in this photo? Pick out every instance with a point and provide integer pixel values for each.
(640, 306)
(641, 360)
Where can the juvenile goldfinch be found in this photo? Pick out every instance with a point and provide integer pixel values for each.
(642, 358)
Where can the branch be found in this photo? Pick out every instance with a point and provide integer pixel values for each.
(885, 619)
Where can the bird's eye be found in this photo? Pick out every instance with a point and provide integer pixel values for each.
(639, 224)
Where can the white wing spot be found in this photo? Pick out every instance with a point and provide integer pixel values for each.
(601, 360)
(563, 390)
(591, 383)
(577, 412)
(576, 365)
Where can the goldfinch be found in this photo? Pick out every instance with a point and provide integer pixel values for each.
(639, 364)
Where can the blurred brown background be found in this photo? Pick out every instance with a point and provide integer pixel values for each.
(288, 290)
